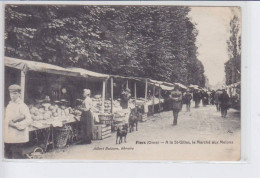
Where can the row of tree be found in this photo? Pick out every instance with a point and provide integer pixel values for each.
(156, 42)
(233, 65)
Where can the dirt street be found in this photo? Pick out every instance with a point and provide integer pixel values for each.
(200, 135)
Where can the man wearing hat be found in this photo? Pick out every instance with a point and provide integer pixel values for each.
(224, 103)
(176, 99)
(86, 121)
(187, 99)
(17, 120)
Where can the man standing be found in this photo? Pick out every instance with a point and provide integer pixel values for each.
(187, 99)
(196, 98)
(212, 95)
(216, 98)
(125, 96)
(224, 103)
(17, 120)
(176, 99)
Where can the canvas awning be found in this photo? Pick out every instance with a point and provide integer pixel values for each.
(181, 85)
(167, 88)
(25, 65)
(194, 86)
(88, 74)
(128, 78)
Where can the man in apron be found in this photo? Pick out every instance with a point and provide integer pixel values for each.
(17, 120)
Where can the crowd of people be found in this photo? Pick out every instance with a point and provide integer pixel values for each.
(220, 98)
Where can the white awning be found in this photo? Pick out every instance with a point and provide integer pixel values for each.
(25, 65)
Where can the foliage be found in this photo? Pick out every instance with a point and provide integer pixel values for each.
(233, 65)
(156, 42)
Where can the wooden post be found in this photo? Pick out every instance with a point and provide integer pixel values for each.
(22, 85)
(135, 94)
(112, 94)
(103, 96)
(145, 93)
(159, 98)
(127, 84)
(153, 98)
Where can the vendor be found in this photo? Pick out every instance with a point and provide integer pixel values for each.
(87, 120)
(65, 97)
(149, 95)
(40, 95)
(16, 122)
(125, 96)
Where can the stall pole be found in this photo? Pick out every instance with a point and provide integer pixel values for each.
(135, 94)
(145, 93)
(153, 98)
(112, 93)
(127, 84)
(159, 98)
(103, 96)
(22, 85)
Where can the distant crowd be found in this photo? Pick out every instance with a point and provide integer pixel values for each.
(220, 98)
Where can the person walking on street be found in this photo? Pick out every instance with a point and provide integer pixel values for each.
(176, 99)
(196, 98)
(224, 103)
(212, 95)
(205, 98)
(187, 99)
(16, 122)
(216, 98)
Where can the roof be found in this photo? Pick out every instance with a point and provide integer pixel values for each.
(167, 88)
(128, 77)
(25, 65)
(88, 74)
(181, 85)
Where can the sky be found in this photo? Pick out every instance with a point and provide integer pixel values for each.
(213, 26)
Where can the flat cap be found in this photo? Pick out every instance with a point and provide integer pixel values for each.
(14, 87)
(87, 91)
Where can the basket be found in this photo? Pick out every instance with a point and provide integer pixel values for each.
(61, 136)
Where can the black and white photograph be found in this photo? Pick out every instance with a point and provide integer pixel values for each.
(122, 82)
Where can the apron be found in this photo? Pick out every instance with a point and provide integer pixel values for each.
(86, 123)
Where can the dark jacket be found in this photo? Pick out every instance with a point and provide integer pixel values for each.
(224, 99)
(176, 99)
(187, 98)
(196, 96)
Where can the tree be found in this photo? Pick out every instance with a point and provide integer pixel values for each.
(233, 65)
(156, 42)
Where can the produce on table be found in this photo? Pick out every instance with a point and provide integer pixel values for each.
(47, 112)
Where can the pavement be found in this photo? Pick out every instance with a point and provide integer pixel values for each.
(200, 135)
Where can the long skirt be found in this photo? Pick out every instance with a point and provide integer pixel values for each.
(86, 123)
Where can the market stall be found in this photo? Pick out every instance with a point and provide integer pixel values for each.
(126, 93)
(234, 91)
(62, 88)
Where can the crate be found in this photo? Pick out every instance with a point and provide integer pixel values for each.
(101, 132)
(106, 119)
(144, 117)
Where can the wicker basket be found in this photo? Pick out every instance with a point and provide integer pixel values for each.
(61, 136)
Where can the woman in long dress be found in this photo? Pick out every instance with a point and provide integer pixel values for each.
(86, 120)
